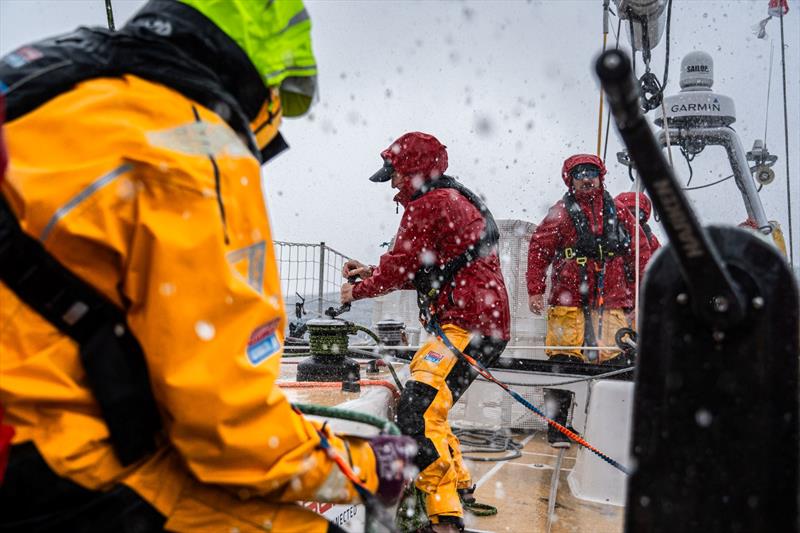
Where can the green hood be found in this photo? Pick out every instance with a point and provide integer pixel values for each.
(276, 36)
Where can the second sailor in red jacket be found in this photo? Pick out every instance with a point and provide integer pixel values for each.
(586, 240)
(447, 239)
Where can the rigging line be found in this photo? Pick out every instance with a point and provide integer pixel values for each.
(786, 141)
(608, 113)
(752, 169)
(707, 184)
(666, 51)
(110, 15)
(600, 113)
(664, 86)
(689, 160)
(769, 90)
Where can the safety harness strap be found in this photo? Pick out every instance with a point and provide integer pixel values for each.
(648, 232)
(429, 281)
(614, 240)
(110, 354)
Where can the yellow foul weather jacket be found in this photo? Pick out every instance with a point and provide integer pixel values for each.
(155, 201)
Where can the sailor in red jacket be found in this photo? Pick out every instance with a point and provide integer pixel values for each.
(447, 239)
(628, 199)
(587, 241)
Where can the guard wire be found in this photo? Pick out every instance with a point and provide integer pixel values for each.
(569, 382)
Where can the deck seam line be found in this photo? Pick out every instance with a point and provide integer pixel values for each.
(499, 465)
(540, 466)
(574, 458)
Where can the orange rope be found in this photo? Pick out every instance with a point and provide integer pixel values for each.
(337, 384)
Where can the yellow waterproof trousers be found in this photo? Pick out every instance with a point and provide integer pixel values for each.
(438, 379)
(565, 327)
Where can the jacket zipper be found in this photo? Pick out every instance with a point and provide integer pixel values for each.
(217, 185)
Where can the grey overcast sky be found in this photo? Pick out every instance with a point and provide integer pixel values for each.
(506, 85)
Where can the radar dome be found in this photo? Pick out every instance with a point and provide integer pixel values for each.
(697, 71)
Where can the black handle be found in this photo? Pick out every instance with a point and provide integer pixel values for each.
(334, 312)
(715, 297)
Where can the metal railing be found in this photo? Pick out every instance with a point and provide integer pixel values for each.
(314, 271)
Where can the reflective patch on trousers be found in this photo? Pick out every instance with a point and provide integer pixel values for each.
(416, 399)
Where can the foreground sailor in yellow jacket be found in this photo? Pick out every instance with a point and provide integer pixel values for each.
(134, 163)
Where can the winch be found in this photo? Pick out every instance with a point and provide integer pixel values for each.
(391, 332)
(329, 350)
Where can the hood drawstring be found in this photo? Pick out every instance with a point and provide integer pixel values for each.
(397, 208)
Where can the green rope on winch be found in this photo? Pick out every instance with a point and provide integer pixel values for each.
(345, 414)
(332, 340)
(329, 340)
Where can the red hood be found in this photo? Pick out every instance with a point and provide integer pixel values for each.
(419, 158)
(628, 199)
(579, 159)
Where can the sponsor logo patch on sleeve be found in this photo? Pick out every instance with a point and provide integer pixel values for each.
(22, 56)
(263, 343)
(434, 357)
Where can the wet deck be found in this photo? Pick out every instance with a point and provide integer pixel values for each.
(520, 488)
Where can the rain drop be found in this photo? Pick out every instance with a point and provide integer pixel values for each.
(703, 418)
(166, 289)
(205, 330)
(125, 189)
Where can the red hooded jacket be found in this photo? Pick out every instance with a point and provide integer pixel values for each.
(557, 232)
(436, 228)
(628, 199)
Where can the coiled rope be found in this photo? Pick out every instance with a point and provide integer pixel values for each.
(487, 441)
